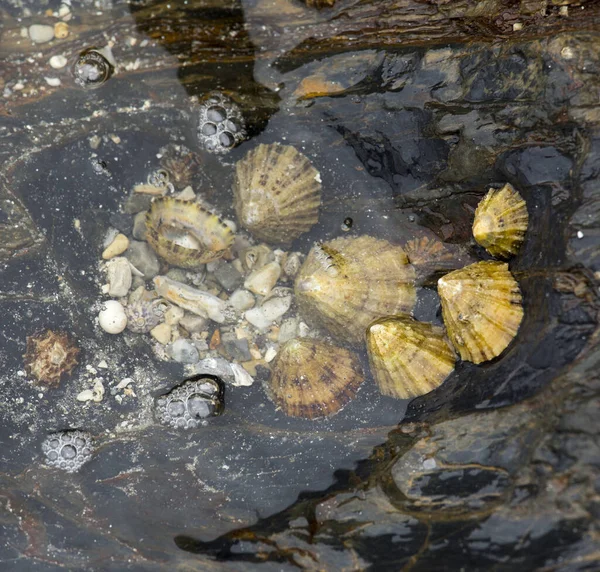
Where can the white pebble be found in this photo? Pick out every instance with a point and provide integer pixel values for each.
(241, 377)
(580, 234)
(119, 276)
(261, 281)
(103, 364)
(270, 354)
(58, 62)
(40, 33)
(241, 300)
(52, 81)
(429, 464)
(85, 395)
(112, 318)
(124, 383)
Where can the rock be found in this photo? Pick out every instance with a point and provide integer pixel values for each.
(40, 33)
(122, 222)
(183, 351)
(141, 255)
(193, 323)
(161, 333)
(257, 319)
(218, 367)
(291, 264)
(261, 281)
(137, 203)
(177, 274)
(228, 277)
(139, 225)
(112, 318)
(118, 246)
(270, 354)
(242, 300)
(288, 330)
(241, 378)
(119, 277)
(191, 299)
(275, 307)
(173, 315)
(235, 348)
(187, 194)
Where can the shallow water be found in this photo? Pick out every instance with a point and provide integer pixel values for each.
(407, 141)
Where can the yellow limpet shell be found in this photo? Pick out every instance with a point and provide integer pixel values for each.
(312, 379)
(185, 234)
(277, 193)
(482, 308)
(347, 283)
(501, 221)
(408, 358)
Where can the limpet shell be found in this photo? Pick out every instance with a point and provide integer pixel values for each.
(348, 282)
(500, 221)
(312, 379)
(482, 309)
(408, 358)
(277, 193)
(185, 234)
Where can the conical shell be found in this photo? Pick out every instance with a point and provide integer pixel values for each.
(408, 358)
(347, 283)
(185, 234)
(312, 379)
(277, 193)
(482, 309)
(501, 221)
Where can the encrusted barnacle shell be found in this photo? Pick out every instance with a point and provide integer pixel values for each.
(144, 310)
(482, 309)
(347, 283)
(277, 193)
(501, 221)
(185, 234)
(186, 406)
(181, 163)
(49, 357)
(408, 358)
(68, 450)
(312, 379)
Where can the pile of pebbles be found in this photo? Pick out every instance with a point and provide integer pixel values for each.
(243, 309)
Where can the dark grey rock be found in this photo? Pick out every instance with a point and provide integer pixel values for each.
(141, 255)
(228, 277)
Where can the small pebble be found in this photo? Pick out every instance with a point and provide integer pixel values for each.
(141, 255)
(183, 351)
(40, 33)
(112, 318)
(580, 234)
(241, 300)
(241, 378)
(270, 354)
(139, 226)
(61, 30)
(429, 464)
(187, 194)
(119, 277)
(124, 383)
(102, 364)
(261, 281)
(58, 62)
(161, 333)
(192, 323)
(52, 81)
(173, 315)
(118, 246)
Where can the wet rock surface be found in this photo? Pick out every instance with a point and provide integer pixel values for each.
(497, 468)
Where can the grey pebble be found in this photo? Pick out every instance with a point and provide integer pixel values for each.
(193, 324)
(136, 203)
(228, 277)
(183, 351)
(122, 222)
(139, 226)
(143, 258)
(236, 349)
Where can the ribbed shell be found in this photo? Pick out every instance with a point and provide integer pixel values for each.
(277, 193)
(347, 283)
(408, 358)
(311, 378)
(501, 221)
(482, 309)
(185, 234)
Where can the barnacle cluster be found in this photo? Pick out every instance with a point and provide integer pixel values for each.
(50, 356)
(68, 450)
(221, 124)
(188, 404)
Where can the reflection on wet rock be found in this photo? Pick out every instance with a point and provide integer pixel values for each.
(190, 404)
(68, 450)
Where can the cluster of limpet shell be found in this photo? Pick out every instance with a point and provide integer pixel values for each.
(224, 295)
